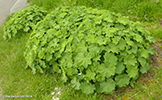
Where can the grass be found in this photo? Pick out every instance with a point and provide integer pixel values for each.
(156, 31)
(18, 81)
(143, 10)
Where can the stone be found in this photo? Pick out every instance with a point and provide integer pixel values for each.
(19, 5)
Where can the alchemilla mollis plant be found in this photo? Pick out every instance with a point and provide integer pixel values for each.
(94, 50)
(23, 21)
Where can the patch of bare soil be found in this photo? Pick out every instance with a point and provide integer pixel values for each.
(156, 59)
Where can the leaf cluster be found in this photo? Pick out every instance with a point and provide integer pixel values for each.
(23, 21)
(94, 50)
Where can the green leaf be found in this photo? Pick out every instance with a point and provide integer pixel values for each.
(97, 58)
(132, 71)
(108, 86)
(64, 77)
(98, 20)
(56, 69)
(120, 26)
(33, 70)
(68, 48)
(151, 39)
(48, 57)
(122, 44)
(71, 71)
(39, 69)
(81, 47)
(108, 18)
(151, 50)
(90, 75)
(129, 42)
(94, 49)
(111, 31)
(144, 53)
(119, 68)
(98, 87)
(101, 40)
(30, 17)
(132, 50)
(69, 62)
(80, 35)
(121, 33)
(9, 36)
(91, 38)
(123, 20)
(14, 32)
(116, 40)
(110, 59)
(63, 45)
(82, 59)
(62, 15)
(139, 27)
(100, 78)
(122, 80)
(87, 88)
(75, 83)
(142, 61)
(130, 60)
(42, 64)
(106, 70)
(138, 38)
(41, 55)
(145, 68)
(29, 58)
(57, 55)
(114, 48)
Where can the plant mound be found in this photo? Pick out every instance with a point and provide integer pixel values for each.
(94, 50)
(23, 21)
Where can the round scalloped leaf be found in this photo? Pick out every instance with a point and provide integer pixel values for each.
(108, 86)
(87, 88)
(122, 80)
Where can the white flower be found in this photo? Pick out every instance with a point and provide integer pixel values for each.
(56, 88)
(55, 98)
(79, 73)
(59, 93)
(56, 94)
(52, 93)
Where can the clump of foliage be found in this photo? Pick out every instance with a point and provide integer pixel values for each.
(94, 50)
(23, 21)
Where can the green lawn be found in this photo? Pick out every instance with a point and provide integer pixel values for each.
(143, 10)
(18, 81)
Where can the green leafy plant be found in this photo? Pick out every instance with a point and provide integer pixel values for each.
(23, 21)
(94, 50)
